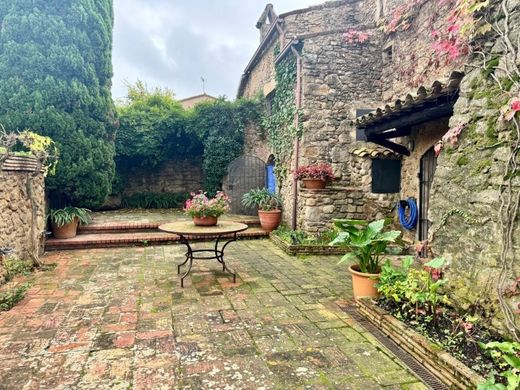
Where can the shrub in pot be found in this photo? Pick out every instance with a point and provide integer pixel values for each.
(65, 221)
(269, 207)
(314, 176)
(367, 244)
(205, 211)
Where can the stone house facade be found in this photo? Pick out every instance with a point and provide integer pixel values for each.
(466, 202)
(335, 79)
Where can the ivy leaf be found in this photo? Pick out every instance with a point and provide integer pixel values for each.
(436, 263)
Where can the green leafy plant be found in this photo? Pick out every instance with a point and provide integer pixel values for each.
(279, 126)
(366, 241)
(15, 266)
(60, 217)
(392, 281)
(507, 355)
(263, 199)
(12, 296)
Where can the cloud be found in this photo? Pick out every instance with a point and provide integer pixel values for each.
(172, 43)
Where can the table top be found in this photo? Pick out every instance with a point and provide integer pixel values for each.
(188, 228)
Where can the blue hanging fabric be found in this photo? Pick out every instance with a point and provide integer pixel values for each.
(408, 222)
(271, 179)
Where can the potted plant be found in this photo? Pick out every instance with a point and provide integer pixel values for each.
(205, 211)
(367, 243)
(314, 176)
(65, 221)
(269, 207)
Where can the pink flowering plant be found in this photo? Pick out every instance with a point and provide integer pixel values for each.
(320, 171)
(201, 206)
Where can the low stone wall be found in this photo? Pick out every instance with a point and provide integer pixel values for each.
(173, 176)
(22, 207)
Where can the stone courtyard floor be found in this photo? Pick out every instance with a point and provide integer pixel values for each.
(118, 319)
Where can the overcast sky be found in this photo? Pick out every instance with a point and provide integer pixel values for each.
(172, 43)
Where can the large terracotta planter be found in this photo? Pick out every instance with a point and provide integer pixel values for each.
(363, 285)
(314, 184)
(269, 220)
(205, 221)
(69, 230)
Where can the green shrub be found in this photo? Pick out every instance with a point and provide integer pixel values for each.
(12, 296)
(153, 200)
(15, 267)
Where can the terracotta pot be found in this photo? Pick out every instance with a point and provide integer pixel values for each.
(69, 230)
(205, 221)
(363, 285)
(269, 220)
(314, 184)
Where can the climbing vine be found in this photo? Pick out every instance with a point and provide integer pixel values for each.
(280, 125)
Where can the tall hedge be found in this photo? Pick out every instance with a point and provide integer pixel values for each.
(55, 77)
(220, 126)
(153, 129)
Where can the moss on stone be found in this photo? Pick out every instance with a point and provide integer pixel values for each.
(481, 165)
(490, 66)
(462, 160)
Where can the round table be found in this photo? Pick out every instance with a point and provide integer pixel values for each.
(187, 231)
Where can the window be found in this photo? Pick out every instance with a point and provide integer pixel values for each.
(386, 176)
(388, 54)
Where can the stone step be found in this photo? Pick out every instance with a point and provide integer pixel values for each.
(136, 227)
(124, 238)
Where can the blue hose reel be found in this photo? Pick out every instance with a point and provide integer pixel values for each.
(409, 207)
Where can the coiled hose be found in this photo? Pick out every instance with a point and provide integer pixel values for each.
(408, 222)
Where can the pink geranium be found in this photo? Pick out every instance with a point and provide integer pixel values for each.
(201, 206)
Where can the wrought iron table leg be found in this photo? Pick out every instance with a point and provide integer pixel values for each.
(189, 257)
(220, 255)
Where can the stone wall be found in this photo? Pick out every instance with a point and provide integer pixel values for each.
(319, 207)
(413, 62)
(330, 16)
(466, 205)
(22, 207)
(261, 78)
(172, 176)
(338, 77)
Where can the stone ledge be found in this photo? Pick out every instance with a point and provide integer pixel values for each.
(294, 250)
(444, 366)
(330, 190)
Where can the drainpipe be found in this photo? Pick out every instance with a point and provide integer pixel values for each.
(298, 98)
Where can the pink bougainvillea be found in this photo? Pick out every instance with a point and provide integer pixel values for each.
(355, 36)
(451, 137)
(509, 110)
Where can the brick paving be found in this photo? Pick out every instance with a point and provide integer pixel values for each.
(118, 319)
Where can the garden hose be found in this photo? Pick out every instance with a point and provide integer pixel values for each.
(408, 222)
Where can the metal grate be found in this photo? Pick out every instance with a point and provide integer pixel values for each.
(244, 174)
(417, 368)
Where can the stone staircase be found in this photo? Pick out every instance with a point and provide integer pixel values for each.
(120, 234)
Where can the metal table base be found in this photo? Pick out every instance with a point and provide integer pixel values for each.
(218, 254)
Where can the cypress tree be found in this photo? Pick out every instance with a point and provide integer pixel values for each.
(55, 77)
